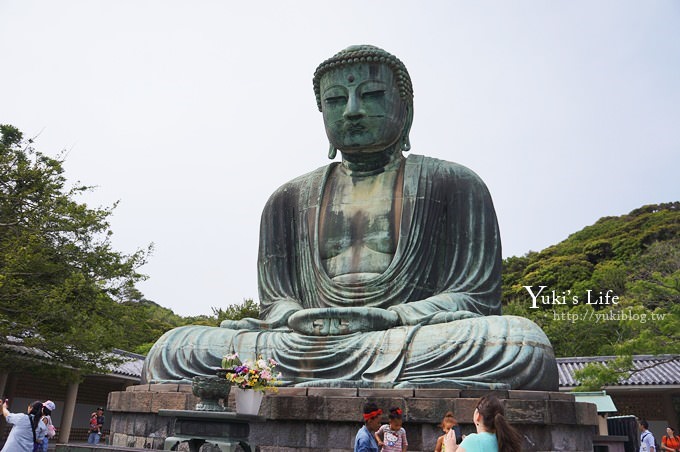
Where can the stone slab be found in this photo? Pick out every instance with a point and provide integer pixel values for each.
(562, 396)
(138, 388)
(292, 391)
(562, 412)
(586, 415)
(170, 401)
(421, 409)
(387, 393)
(464, 408)
(165, 387)
(526, 411)
(331, 392)
(477, 393)
(437, 393)
(529, 395)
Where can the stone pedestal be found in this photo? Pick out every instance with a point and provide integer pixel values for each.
(306, 419)
(223, 431)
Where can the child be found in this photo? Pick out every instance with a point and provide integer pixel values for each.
(448, 423)
(96, 424)
(392, 437)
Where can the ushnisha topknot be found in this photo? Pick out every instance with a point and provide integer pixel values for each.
(365, 54)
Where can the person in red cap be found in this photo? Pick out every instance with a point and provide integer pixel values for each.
(392, 437)
(365, 439)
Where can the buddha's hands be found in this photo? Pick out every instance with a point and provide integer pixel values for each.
(276, 319)
(445, 317)
(249, 324)
(339, 321)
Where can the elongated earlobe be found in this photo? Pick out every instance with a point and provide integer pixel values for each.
(405, 144)
(405, 140)
(332, 152)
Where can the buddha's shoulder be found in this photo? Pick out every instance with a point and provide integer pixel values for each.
(443, 171)
(305, 182)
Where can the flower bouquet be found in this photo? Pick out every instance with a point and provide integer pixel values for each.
(258, 375)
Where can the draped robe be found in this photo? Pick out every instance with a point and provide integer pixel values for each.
(443, 283)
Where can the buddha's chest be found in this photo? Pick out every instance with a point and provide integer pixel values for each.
(358, 225)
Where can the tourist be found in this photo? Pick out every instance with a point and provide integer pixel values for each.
(494, 433)
(27, 429)
(365, 439)
(670, 441)
(448, 423)
(647, 442)
(646, 438)
(96, 425)
(392, 436)
(48, 407)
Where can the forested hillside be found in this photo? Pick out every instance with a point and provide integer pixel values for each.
(611, 288)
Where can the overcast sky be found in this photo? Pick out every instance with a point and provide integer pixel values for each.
(192, 113)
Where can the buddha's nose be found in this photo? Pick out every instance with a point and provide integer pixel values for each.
(354, 109)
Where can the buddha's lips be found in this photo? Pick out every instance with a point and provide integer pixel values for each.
(355, 128)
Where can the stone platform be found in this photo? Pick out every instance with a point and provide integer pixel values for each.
(306, 419)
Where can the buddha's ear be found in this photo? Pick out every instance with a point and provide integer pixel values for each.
(405, 142)
(332, 151)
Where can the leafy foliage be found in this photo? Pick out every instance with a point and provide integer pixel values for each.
(596, 375)
(248, 308)
(636, 257)
(60, 279)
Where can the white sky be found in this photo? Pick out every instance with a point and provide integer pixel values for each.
(192, 113)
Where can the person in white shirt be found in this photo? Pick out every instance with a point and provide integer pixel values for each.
(646, 438)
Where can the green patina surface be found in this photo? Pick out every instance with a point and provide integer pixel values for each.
(378, 270)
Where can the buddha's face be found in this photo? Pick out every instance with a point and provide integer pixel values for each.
(362, 109)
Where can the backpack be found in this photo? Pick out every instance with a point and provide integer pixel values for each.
(51, 430)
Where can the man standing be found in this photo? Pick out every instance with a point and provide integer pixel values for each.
(365, 439)
(96, 426)
(646, 438)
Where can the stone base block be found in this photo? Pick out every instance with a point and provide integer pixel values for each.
(306, 419)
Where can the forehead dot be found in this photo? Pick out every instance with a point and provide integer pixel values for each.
(350, 78)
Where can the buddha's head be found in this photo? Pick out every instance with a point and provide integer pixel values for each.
(366, 97)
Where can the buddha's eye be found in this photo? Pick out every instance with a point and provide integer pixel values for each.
(374, 94)
(335, 100)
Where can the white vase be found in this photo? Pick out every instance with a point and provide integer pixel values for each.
(248, 401)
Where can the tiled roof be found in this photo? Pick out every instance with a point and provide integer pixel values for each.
(653, 369)
(132, 367)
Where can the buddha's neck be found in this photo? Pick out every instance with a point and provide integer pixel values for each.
(368, 164)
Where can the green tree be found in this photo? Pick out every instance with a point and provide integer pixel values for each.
(637, 257)
(248, 308)
(595, 376)
(60, 279)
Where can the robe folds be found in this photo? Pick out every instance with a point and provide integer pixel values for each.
(443, 283)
